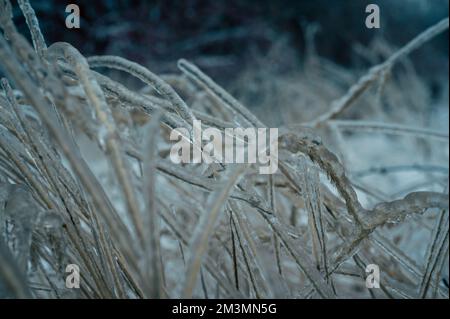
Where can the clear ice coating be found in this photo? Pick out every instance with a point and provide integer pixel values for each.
(363, 152)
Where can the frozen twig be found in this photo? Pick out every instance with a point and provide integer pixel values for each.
(340, 105)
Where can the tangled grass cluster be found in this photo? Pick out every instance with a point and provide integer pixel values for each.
(139, 226)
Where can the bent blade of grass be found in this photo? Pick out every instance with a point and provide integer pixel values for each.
(33, 25)
(152, 267)
(205, 227)
(103, 112)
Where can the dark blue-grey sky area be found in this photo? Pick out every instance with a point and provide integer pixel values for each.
(166, 30)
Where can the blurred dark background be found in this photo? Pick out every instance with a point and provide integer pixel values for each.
(222, 36)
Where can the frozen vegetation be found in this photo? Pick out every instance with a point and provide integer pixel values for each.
(86, 178)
